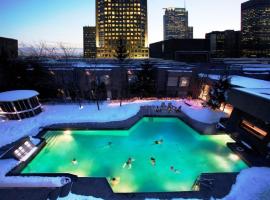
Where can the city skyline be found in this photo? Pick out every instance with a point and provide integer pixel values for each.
(32, 21)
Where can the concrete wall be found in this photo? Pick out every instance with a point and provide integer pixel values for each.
(253, 105)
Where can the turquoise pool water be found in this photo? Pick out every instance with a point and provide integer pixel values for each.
(179, 155)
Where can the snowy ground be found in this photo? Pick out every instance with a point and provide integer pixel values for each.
(9, 181)
(52, 114)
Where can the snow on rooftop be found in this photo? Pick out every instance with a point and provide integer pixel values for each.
(241, 81)
(261, 92)
(257, 73)
(211, 76)
(16, 95)
(180, 71)
(92, 65)
(247, 82)
(256, 69)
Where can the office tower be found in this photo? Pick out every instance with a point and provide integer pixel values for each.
(184, 50)
(224, 44)
(175, 24)
(89, 42)
(255, 25)
(121, 20)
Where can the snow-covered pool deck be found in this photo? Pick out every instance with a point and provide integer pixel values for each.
(66, 114)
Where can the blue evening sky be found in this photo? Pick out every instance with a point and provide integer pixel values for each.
(31, 21)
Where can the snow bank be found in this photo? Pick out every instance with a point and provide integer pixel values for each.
(204, 115)
(251, 184)
(264, 93)
(241, 81)
(78, 197)
(16, 181)
(246, 82)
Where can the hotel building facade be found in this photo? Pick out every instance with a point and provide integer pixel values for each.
(121, 19)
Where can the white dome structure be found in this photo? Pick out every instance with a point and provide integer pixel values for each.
(19, 104)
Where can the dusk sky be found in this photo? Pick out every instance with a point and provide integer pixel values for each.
(55, 21)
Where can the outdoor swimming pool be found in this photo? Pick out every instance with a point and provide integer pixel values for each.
(179, 155)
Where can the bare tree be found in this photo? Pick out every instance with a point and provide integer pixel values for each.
(51, 52)
(95, 86)
(68, 52)
(35, 51)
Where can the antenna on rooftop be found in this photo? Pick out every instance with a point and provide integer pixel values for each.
(185, 4)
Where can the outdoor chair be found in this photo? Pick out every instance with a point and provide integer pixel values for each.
(178, 109)
(170, 107)
(163, 106)
(158, 109)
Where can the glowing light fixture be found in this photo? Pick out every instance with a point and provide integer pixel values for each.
(234, 157)
(67, 132)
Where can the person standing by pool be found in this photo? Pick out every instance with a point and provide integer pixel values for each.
(128, 163)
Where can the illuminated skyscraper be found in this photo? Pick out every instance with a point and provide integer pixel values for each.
(89, 42)
(175, 24)
(121, 19)
(255, 24)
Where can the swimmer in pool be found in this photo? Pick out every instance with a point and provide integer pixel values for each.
(174, 170)
(128, 163)
(115, 181)
(74, 161)
(158, 141)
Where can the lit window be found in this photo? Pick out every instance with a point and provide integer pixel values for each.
(184, 82)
